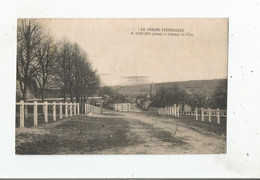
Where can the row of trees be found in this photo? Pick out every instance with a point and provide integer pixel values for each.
(60, 65)
(176, 95)
(169, 96)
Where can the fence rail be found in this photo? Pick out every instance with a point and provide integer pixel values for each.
(71, 109)
(174, 111)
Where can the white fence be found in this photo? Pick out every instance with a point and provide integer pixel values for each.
(123, 107)
(92, 109)
(71, 109)
(209, 113)
(174, 111)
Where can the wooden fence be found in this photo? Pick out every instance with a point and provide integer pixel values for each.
(92, 109)
(172, 111)
(198, 112)
(71, 109)
(209, 113)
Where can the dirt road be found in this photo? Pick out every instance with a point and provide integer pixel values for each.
(120, 133)
(185, 139)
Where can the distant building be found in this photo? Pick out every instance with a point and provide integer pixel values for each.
(106, 97)
(122, 104)
(32, 89)
(94, 100)
(146, 103)
(185, 108)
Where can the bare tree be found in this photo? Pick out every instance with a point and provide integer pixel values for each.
(46, 58)
(74, 74)
(63, 69)
(63, 65)
(29, 37)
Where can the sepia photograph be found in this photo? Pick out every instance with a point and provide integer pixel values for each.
(121, 86)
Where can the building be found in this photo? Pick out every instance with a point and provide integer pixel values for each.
(94, 100)
(146, 103)
(185, 108)
(122, 104)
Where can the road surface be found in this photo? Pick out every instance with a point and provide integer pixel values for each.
(119, 133)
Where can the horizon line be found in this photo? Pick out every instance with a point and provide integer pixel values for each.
(166, 82)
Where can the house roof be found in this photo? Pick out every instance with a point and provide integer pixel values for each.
(121, 99)
(107, 96)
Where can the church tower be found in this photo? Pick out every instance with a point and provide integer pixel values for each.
(152, 90)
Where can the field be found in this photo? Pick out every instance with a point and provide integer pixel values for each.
(123, 133)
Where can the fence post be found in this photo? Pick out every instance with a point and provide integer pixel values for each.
(35, 114)
(70, 109)
(196, 113)
(75, 109)
(78, 108)
(209, 113)
(25, 111)
(178, 111)
(174, 109)
(60, 110)
(218, 117)
(21, 113)
(202, 114)
(54, 111)
(66, 109)
(46, 111)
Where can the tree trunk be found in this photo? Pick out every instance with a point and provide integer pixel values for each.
(71, 96)
(25, 100)
(43, 94)
(65, 95)
(43, 98)
(82, 105)
(77, 98)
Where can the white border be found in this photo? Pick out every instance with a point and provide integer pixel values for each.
(243, 96)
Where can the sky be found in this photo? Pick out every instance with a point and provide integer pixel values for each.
(126, 52)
